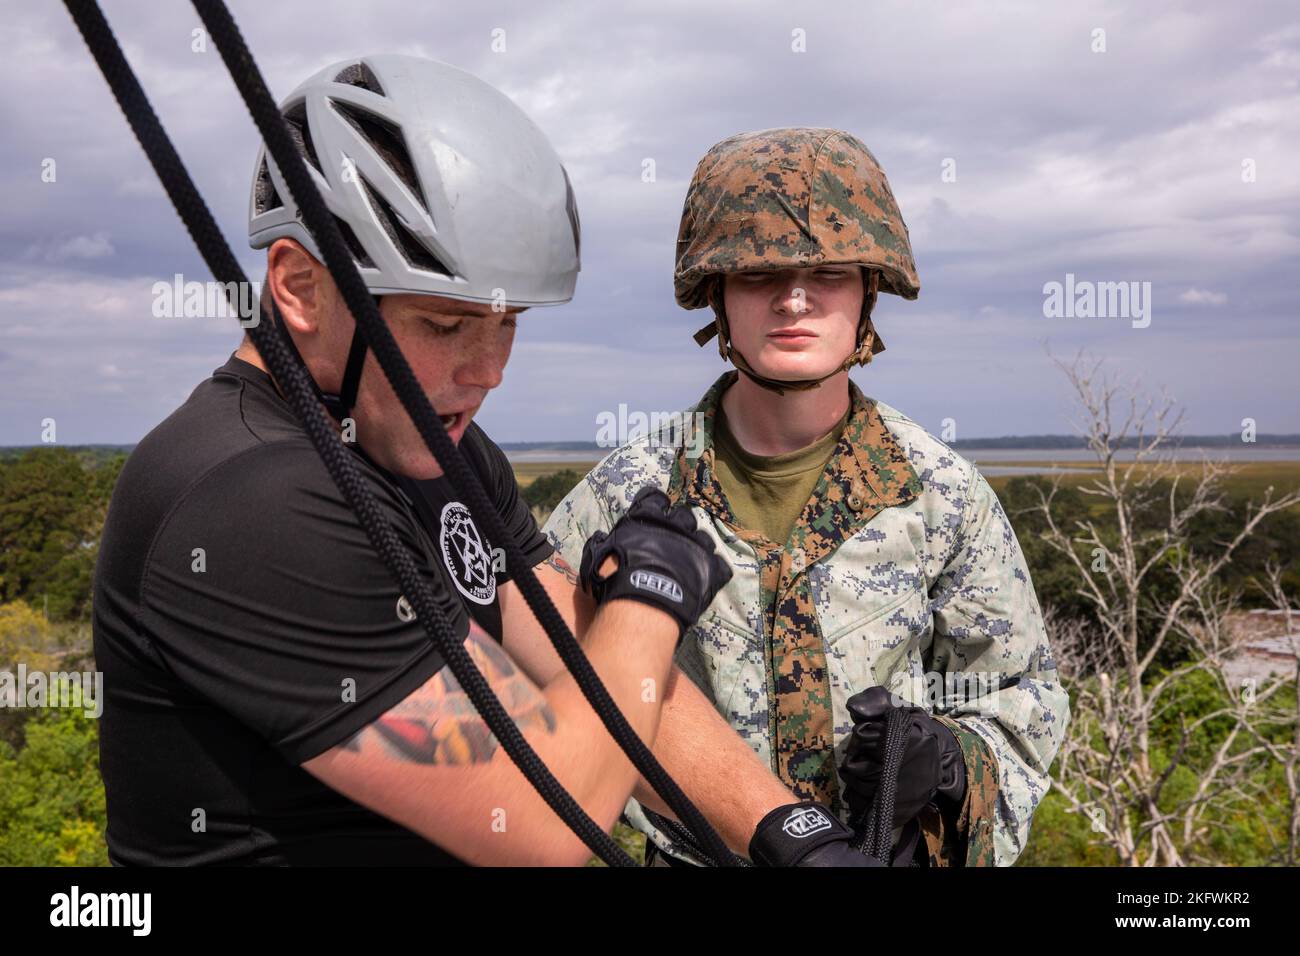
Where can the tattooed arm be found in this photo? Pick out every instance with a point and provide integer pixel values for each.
(431, 764)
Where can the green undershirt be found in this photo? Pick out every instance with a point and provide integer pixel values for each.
(768, 492)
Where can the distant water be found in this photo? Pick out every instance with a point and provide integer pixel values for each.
(541, 454)
(985, 457)
(994, 471)
(1242, 453)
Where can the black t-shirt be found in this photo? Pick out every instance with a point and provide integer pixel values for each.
(238, 599)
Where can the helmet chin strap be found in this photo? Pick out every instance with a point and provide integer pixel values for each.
(339, 404)
(868, 342)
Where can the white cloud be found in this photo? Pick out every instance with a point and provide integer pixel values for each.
(1202, 297)
(97, 246)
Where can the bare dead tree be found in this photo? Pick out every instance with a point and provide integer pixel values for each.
(1106, 769)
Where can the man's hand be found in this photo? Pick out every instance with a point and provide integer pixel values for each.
(932, 768)
(805, 834)
(662, 560)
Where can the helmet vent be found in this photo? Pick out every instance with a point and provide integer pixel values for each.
(354, 244)
(408, 244)
(266, 197)
(296, 117)
(358, 74)
(386, 140)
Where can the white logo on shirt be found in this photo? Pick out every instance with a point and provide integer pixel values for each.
(466, 554)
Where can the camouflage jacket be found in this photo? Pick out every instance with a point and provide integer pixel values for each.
(903, 571)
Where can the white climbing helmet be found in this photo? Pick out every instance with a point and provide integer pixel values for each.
(439, 182)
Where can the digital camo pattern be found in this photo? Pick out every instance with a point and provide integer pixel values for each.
(905, 563)
(790, 198)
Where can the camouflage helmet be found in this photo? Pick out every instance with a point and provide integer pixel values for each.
(791, 198)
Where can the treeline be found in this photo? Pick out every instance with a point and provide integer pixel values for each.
(91, 456)
(53, 502)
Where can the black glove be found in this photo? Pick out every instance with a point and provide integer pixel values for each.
(664, 560)
(932, 768)
(805, 834)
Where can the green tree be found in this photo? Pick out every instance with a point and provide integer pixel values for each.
(51, 515)
(23, 632)
(52, 810)
(549, 490)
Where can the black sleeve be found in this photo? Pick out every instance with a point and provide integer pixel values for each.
(262, 594)
(499, 477)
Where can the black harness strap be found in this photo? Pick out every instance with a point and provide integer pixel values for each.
(352, 375)
(339, 404)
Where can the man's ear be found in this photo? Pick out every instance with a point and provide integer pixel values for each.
(294, 280)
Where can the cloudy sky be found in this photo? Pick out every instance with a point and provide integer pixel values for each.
(1173, 157)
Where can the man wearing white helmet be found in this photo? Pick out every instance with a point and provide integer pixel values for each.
(271, 698)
